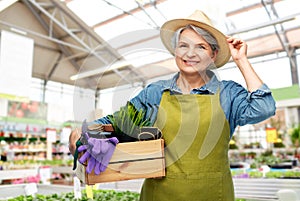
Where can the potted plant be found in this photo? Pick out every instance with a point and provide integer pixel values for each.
(295, 137)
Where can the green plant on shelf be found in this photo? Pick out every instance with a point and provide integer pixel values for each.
(295, 135)
(278, 145)
(295, 138)
(267, 158)
(256, 173)
(283, 174)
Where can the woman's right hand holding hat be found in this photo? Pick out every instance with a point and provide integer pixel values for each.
(238, 48)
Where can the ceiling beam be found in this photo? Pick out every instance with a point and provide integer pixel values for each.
(10, 26)
(264, 24)
(37, 9)
(91, 33)
(65, 51)
(247, 8)
(117, 17)
(282, 37)
(142, 7)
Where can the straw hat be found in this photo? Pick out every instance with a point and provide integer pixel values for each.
(199, 19)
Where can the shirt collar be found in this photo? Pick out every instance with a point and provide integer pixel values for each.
(211, 87)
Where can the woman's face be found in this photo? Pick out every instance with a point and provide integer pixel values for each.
(192, 53)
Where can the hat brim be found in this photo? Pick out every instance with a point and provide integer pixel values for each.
(169, 28)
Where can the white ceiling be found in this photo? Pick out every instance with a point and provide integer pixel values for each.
(106, 43)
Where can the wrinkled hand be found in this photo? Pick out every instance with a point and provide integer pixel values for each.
(98, 153)
(238, 48)
(73, 138)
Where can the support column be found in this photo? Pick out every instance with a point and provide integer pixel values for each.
(294, 67)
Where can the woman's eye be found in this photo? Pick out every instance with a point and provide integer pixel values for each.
(182, 45)
(201, 47)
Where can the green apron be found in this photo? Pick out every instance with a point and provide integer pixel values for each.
(196, 135)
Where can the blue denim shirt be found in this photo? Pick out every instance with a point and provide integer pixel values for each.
(240, 106)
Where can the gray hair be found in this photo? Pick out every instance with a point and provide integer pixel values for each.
(206, 35)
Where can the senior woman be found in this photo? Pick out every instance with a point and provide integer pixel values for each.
(197, 113)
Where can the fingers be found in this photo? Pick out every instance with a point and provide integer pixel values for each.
(106, 158)
(97, 168)
(96, 145)
(73, 138)
(102, 167)
(114, 140)
(109, 144)
(105, 146)
(235, 42)
(82, 148)
(91, 165)
(84, 157)
(72, 148)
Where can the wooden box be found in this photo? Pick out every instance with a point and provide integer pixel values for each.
(131, 160)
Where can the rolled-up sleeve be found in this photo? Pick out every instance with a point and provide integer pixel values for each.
(148, 100)
(243, 107)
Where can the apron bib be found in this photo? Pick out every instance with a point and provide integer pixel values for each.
(196, 135)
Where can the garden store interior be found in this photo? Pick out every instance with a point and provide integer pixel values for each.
(64, 61)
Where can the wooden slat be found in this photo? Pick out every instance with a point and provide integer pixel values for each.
(127, 171)
(137, 150)
(132, 160)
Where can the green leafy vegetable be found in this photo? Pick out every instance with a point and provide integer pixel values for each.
(295, 135)
(107, 195)
(128, 120)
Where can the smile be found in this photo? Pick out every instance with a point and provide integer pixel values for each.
(191, 63)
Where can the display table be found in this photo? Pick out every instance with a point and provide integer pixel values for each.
(263, 189)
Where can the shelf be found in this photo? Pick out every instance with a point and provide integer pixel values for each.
(32, 172)
(24, 120)
(21, 139)
(16, 174)
(28, 150)
(24, 132)
(62, 169)
(262, 150)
